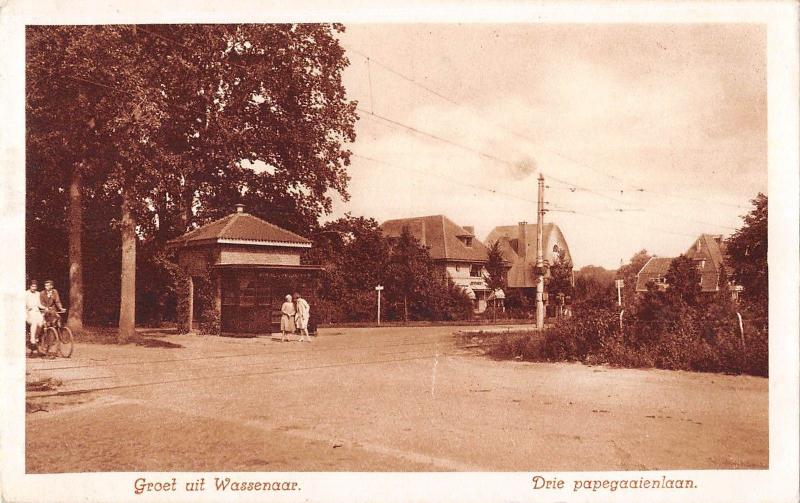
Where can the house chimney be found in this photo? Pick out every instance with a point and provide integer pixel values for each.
(469, 229)
(239, 208)
(522, 246)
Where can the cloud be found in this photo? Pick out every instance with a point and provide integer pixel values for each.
(523, 168)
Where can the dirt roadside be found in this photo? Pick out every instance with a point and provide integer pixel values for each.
(360, 399)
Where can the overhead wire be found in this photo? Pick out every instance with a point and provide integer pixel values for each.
(552, 207)
(567, 185)
(632, 187)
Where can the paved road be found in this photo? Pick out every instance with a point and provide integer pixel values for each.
(391, 399)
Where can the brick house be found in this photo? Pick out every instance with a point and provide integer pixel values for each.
(518, 243)
(708, 254)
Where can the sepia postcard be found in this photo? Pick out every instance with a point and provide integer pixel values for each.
(428, 251)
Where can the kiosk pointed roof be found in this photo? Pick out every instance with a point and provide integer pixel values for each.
(240, 228)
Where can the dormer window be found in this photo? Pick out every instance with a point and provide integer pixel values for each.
(468, 241)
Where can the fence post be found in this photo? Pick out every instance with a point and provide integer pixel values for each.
(741, 327)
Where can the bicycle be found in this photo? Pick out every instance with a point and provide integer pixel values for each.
(55, 337)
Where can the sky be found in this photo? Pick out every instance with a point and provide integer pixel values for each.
(602, 111)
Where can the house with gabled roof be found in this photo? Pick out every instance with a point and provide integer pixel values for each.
(452, 247)
(252, 264)
(653, 271)
(708, 254)
(519, 246)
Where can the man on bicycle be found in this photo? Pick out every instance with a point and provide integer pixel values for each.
(51, 302)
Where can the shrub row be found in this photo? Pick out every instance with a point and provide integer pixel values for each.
(698, 339)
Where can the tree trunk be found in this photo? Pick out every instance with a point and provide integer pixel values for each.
(75, 229)
(127, 297)
(188, 201)
(405, 308)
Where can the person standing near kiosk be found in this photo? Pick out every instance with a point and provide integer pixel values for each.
(288, 314)
(301, 318)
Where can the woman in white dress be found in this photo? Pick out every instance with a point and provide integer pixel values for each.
(301, 318)
(33, 310)
(288, 313)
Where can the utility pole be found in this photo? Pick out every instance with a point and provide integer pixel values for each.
(378, 289)
(540, 256)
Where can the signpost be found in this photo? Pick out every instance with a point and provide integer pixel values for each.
(620, 285)
(378, 289)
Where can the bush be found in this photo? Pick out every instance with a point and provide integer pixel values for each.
(526, 346)
(580, 336)
(703, 338)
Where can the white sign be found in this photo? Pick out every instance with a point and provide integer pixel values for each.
(620, 283)
(379, 288)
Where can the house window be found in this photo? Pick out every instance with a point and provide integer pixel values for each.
(475, 270)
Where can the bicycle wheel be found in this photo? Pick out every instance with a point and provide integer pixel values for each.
(65, 342)
(48, 342)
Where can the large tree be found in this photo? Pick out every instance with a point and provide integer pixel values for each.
(496, 266)
(560, 279)
(353, 252)
(747, 256)
(683, 280)
(161, 118)
(408, 264)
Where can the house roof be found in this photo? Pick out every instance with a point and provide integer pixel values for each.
(707, 247)
(711, 248)
(440, 236)
(521, 251)
(241, 228)
(656, 267)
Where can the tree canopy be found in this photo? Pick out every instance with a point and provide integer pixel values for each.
(170, 125)
(496, 266)
(747, 256)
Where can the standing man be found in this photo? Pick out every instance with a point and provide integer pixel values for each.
(301, 318)
(50, 300)
(33, 310)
